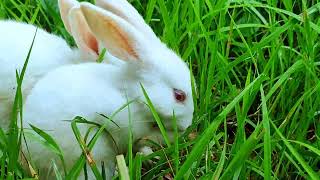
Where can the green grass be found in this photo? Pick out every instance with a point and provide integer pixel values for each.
(256, 69)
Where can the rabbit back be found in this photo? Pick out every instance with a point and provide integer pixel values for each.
(49, 52)
(87, 90)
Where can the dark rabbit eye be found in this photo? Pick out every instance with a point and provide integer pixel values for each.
(179, 95)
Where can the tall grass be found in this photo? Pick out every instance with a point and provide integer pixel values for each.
(257, 95)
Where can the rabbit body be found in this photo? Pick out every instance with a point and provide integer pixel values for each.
(86, 90)
(49, 52)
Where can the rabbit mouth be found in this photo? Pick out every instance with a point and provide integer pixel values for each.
(167, 128)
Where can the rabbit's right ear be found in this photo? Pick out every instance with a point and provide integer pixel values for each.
(125, 10)
(77, 26)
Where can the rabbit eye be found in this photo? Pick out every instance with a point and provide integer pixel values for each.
(179, 95)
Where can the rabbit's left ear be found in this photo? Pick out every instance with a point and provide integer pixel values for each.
(65, 6)
(86, 41)
(119, 37)
(77, 26)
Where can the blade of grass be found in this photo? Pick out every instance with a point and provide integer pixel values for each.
(14, 140)
(156, 117)
(51, 142)
(313, 175)
(267, 137)
(123, 170)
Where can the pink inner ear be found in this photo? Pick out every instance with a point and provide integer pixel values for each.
(84, 36)
(92, 43)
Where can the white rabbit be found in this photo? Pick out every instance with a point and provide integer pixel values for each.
(49, 52)
(88, 89)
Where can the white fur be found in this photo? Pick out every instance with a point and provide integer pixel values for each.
(124, 10)
(88, 89)
(49, 52)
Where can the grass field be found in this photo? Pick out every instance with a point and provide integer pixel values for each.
(256, 67)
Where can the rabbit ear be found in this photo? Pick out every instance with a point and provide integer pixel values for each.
(119, 37)
(65, 7)
(77, 26)
(82, 34)
(125, 10)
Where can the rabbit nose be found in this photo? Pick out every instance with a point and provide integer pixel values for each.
(182, 127)
(155, 125)
(184, 124)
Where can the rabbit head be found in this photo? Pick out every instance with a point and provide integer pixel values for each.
(166, 78)
(117, 26)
